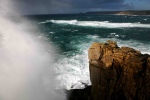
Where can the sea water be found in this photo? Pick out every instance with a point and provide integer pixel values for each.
(72, 35)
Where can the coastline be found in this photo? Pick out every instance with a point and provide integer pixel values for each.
(116, 73)
(127, 12)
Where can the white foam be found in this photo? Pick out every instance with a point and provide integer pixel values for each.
(73, 72)
(145, 19)
(99, 24)
(143, 47)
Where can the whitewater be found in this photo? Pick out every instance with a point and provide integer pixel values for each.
(99, 24)
(73, 35)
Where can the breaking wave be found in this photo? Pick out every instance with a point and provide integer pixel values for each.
(98, 24)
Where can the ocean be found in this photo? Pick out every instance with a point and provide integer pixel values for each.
(72, 35)
(42, 56)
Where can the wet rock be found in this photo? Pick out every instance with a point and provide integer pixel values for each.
(79, 94)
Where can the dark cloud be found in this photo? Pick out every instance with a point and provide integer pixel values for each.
(67, 6)
(144, 0)
(43, 6)
(115, 6)
(103, 4)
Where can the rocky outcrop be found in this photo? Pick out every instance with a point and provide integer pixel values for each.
(118, 73)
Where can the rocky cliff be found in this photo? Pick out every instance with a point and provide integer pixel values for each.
(118, 73)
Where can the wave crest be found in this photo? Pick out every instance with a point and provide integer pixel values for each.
(98, 24)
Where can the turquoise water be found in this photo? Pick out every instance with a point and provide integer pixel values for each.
(73, 34)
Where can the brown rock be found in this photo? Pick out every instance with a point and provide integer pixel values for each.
(107, 60)
(96, 63)
(118, 73)
(94, 51)
(112, 43)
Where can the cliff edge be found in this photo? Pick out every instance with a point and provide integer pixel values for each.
(118, 73)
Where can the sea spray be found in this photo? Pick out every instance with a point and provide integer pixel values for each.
(26, 59)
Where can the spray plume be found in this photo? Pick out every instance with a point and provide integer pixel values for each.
(25, 60)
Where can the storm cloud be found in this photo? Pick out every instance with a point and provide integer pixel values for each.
(68, 6)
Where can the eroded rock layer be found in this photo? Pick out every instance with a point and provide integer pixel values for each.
(118, 73)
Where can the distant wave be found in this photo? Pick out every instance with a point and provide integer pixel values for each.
(98, 24)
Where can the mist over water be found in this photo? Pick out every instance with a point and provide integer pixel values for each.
(25, 59)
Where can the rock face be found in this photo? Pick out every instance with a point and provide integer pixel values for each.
(79, 94)
(118, 73)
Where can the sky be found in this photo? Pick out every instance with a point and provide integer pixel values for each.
(77, 6)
